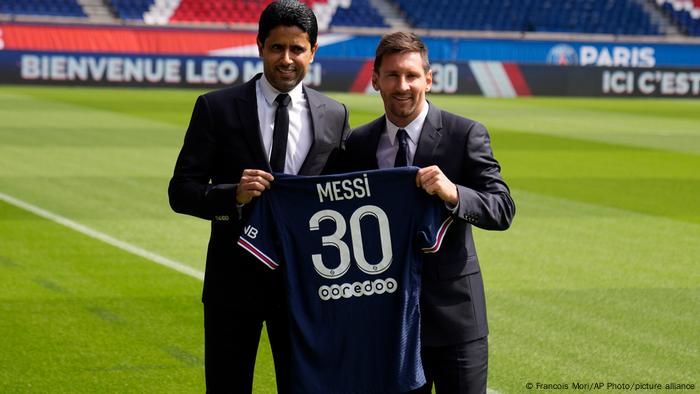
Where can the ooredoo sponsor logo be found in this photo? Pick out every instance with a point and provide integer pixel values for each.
(357, 289)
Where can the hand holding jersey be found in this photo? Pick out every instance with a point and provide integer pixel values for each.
(252, 184)
(434, 181)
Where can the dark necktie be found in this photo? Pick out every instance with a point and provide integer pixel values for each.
(401, 160)
(279, 134)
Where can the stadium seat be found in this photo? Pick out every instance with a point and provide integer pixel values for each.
(359, 13)
(684, 13)
(621, 17)
(328, 12)
(69, 8)
(576, 16)
(223, 11)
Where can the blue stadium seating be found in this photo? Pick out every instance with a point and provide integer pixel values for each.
(682, 18)
(622, 17)
(576, 16)
(42, 7)
(131, 9)
(360, 13)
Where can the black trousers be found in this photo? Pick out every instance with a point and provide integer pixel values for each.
(456, 369)
(232, 331)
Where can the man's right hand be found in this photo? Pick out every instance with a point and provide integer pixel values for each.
(252, 184)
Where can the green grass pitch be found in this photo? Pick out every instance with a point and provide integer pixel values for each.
(597, 280)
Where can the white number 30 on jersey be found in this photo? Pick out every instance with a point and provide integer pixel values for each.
(336, 241)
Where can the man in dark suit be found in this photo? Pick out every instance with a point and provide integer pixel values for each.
(236, 139)
(457, 165)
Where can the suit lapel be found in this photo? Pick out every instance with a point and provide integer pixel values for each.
(378, 127)
(314, 162)
(429, 138)
(363, 143)
(247, 107)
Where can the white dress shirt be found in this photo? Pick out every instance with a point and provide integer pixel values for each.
(300, 136)
(388, 143)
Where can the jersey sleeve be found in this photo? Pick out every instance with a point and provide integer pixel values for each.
(259, 233)
(433, 226)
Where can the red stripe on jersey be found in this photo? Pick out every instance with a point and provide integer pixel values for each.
(440, 235)
(257, 253)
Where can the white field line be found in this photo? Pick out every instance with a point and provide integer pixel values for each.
(156, 258)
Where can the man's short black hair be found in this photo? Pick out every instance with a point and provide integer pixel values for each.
(287, 13)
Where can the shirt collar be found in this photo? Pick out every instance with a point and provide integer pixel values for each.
(413, 129)
(271, 93)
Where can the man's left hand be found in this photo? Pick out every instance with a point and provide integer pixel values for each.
(434, 181)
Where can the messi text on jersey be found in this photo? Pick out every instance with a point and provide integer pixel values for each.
(345, 189)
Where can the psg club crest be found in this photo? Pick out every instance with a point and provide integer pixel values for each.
(562, 55)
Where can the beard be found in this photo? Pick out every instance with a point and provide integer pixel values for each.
(284, 82)
(403, 109)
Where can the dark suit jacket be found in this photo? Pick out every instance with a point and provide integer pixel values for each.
(453, 307)
(222, 140)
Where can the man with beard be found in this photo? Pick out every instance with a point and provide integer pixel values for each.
(457, 165)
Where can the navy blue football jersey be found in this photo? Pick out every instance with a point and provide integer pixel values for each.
(350, 247)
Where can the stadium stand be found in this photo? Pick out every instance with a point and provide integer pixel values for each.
(241, 12)
(222, 11)
(217, 11)
(67, 8)
(131, 9)
(619, 17)
(575, 16)
(684, 13)
(359, 13)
